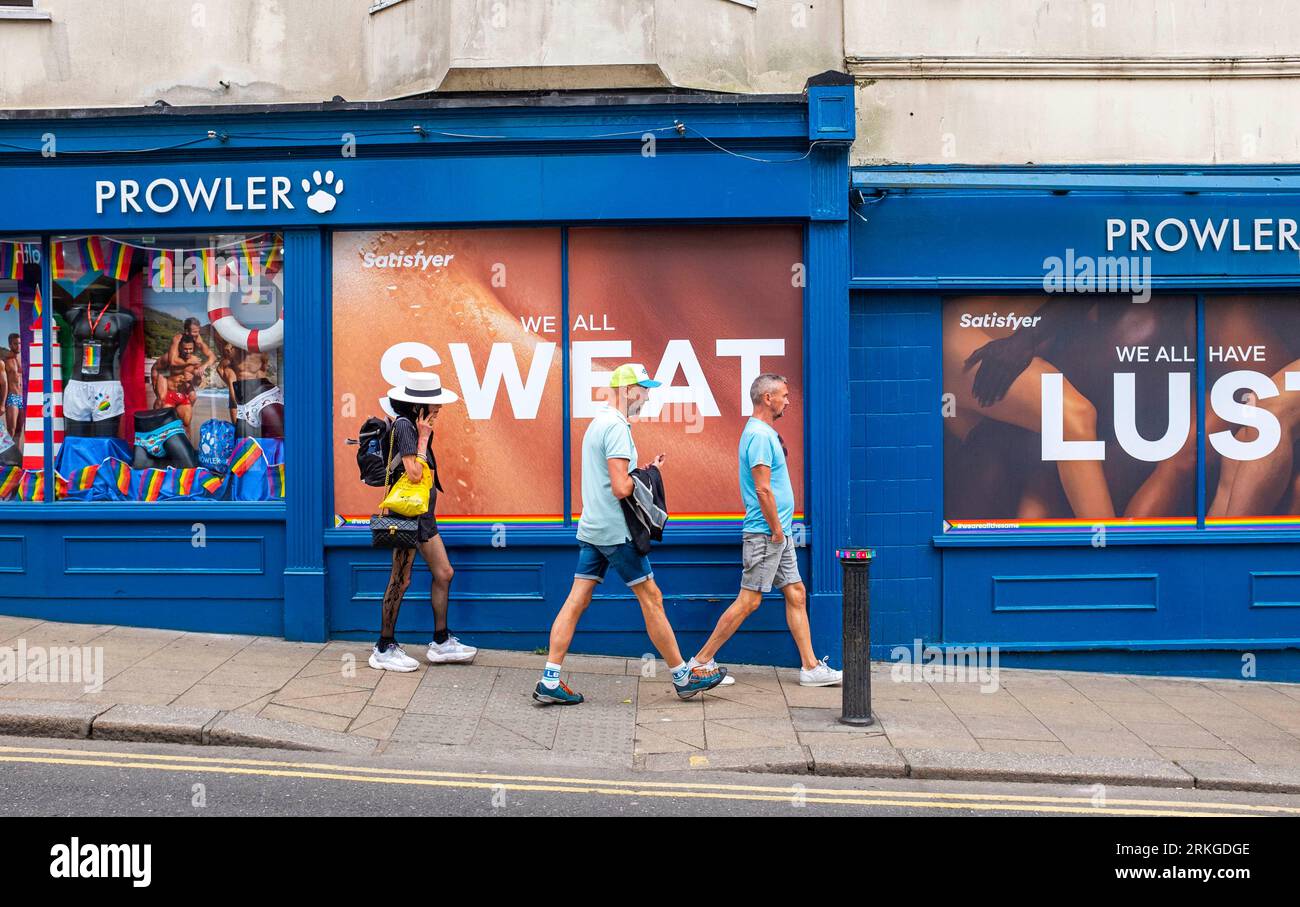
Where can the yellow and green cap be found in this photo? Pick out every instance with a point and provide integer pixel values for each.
(631, 373)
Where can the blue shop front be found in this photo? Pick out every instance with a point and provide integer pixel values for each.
(1074, 414)
(202, 306)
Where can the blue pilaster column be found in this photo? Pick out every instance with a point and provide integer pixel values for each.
(307, 424)
(826, 320)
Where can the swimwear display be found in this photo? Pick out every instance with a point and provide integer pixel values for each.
(153, 441)
(14, 400)
(251, 412)
(93, 401)
(176, 398)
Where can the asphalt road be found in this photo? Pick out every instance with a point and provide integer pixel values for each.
(41, 777)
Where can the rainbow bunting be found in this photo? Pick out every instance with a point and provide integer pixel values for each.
(11, 302)
(245, 456)
(119, 263)
(36, 301)
(274, 255)
(92, 254)
(59, 263)
(276, 478)
(185, 481)
(10, 477)
(248, 252)
(164, 270)
(212, 484)
(32, 486)
(60, 487)
(8, 258)
(208, 258)
(121, 476)
(84, 478)
(151, 484)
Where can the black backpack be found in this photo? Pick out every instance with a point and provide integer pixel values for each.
(371, 443)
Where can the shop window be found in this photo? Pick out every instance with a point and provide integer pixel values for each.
(705, 310)
(22, 438)
(1069, 412)
(1252, 406)
(482, 310)
(167, 367)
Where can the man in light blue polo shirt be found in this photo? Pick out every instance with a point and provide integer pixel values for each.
(767, 553)
(608, 456)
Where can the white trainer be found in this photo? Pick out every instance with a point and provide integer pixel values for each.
(823, 675)
(726, 681)
(451, 652)
(392, 659)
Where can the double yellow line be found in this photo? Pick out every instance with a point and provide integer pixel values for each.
(796, 793)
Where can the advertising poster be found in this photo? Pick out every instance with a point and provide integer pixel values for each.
(1069, 411)
(706, 310)
(1253, 404)
(482, 310)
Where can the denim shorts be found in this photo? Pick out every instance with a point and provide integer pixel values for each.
(593, 560)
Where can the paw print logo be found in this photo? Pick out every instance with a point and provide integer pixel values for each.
(322, 201)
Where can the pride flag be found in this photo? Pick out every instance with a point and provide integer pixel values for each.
(36, 301)
(249, 256)
(32, 485)
(208, 258)
(80, 485)
(274, 255)
(59, 264)
(151, 484)
(10, 266)
(246, 454)
(119, 263)
(276, 479)
(164, 270)
(92, 254)
(10, 477)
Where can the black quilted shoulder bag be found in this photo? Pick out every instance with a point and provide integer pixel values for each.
(389, 530)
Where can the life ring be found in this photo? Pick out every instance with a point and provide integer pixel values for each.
(254, 340)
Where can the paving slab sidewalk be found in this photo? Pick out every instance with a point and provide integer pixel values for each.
(1031, 725)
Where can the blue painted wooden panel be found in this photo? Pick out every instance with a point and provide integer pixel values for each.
(507, 598)
(148, 573)
(1079, 592)
(894, 451)
(13, 554)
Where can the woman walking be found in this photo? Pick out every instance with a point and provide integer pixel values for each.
(416, 406)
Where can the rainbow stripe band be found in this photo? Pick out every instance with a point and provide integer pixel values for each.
(1066, 525)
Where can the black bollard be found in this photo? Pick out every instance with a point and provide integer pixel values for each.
(856, 703)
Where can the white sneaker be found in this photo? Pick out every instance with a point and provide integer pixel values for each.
(392, 659)
(451, 652)
(726, 681)
(821, 676)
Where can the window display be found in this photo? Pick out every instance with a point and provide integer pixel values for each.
(167, 379)
(22, 437)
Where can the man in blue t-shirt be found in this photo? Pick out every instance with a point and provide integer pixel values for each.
(768, 558)
(608, 456)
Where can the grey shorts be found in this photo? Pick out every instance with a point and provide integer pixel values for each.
(766, 565)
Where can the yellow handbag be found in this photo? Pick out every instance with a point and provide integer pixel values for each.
(407, 498)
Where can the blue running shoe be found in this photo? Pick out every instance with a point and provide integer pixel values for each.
(561, 695)
(698, 681)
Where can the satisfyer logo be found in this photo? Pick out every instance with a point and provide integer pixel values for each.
(319, 193)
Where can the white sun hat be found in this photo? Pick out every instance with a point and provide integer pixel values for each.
(423, 388)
